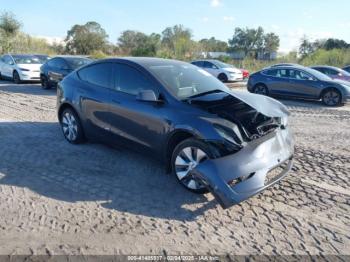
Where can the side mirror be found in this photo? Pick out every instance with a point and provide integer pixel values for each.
(11, 63)
(147, 96)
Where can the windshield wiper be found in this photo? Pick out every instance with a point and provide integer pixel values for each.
(205, 93)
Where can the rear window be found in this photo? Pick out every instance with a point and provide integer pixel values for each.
(98, 74)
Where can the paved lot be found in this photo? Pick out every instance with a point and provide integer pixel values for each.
(56, 198)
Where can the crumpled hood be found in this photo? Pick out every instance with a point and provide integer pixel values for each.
(263, 104)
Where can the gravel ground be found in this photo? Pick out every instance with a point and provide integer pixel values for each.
(56, 198)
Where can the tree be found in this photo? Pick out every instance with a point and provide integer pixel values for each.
(306, 47)
(247, 40)
(254, 42)
(9, 28)
(178, 41)
(213, 45)
(85, 39)
(333, 43)
(138, 44)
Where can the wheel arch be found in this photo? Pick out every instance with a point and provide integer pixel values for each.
(331, 88)
(174, 139)
(63, 107)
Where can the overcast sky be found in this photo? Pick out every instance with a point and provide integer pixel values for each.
(218, 18)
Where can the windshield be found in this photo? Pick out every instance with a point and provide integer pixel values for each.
(27, 59)
(317, 74)
(223, 65)
(77, 62)
(185, 80)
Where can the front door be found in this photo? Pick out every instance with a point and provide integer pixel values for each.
(133, 122)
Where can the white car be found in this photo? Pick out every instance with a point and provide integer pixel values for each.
(21, 67)
(224, 72)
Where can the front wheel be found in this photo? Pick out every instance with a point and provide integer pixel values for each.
(186, 156)
(16, 78)
(71, 126)
(223, 78)
(45, 84)
(331, 97)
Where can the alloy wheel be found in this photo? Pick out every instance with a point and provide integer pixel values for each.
(69, 126)
(186, 160)
(331, 98)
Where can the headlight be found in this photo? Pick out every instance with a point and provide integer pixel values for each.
(24, 69)
(284, 121)
(228, 135)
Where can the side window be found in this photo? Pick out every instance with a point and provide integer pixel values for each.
(271, 72)
(130, 80)
(207, 64)
(282, 73)
(61, 64)
(98, 74)
(332, 72)
(8, 60)
(303, 76)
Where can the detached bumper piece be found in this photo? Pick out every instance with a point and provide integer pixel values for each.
(260, 164)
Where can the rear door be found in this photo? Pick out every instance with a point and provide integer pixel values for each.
(135, 123)
(303, 84)
(94, 96)
(8, 65)
(278, 82)
(211, 68)
(58, 69)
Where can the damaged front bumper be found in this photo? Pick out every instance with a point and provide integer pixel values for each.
(258, 165)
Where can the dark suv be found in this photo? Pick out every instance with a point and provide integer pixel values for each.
(299, 82)
(55, 69)
(234, 144)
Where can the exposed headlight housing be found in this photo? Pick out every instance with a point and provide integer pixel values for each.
(229, 135)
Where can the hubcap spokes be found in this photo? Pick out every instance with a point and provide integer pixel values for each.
(331, 98)
(69, 126)
(185, 162)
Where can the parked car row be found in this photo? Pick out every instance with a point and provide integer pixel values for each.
(49, 71)
(290, 80)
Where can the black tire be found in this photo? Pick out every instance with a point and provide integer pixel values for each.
(45, 84)
(0, 76)
(175, 167)
(261, 89)
(331, 97)
(16, 78)
(223, 78)
(70, 122)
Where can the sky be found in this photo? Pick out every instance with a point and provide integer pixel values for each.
(206, 18)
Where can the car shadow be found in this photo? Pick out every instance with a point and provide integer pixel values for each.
(36, 156)
(26, 88)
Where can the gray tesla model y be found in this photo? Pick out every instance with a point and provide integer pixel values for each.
(231, 143)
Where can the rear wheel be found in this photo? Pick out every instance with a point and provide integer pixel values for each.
(16, 78)
(261, 90)
(71, 126)
(186, 156)
(45, 84)
(223, 78)
(331, 97)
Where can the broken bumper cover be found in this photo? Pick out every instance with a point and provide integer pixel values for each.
(260, 164)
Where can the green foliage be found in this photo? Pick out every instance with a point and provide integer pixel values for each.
(334, 57)
(213, 45)
(85, 39)
(9, 28)
(178, 41)
(138, 44)
(97, 54)
(253, 41)
(23, 43)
